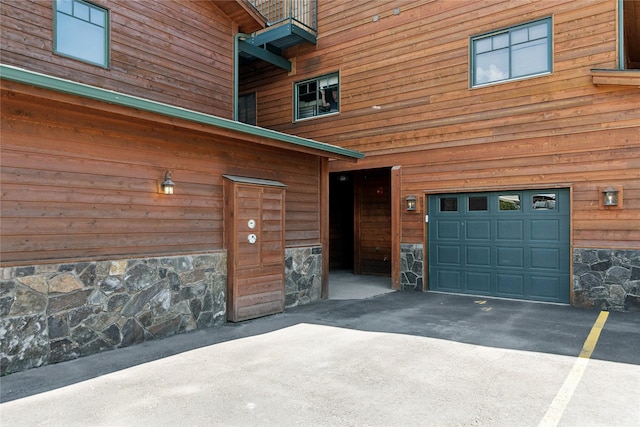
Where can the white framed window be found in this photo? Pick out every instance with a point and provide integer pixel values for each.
(512, 53)
(316, 97)
(81, 31)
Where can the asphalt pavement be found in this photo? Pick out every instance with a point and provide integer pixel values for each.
(398, 359)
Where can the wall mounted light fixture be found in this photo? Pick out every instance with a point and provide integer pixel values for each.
(167, 185)
(610, 196)
(411, 203)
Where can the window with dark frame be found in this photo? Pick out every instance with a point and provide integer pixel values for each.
(512, 53)
(478, 203)
(81, 31)
(318, 96)
(247, 108)
(448, 204)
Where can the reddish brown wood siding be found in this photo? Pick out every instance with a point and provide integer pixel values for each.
(176, 52)
(79, 183)
(553, 130)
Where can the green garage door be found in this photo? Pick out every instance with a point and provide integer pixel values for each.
(512, 244)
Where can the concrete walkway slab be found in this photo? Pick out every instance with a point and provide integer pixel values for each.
(403, 358)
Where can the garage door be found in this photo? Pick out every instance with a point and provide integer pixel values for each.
(512, 244)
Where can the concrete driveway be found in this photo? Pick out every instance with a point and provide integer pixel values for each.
(399, 359)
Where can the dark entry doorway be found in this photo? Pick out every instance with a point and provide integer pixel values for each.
(341, 209)
(360, 221)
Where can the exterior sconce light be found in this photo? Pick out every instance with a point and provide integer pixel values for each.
(167, 185)
(411, 203)
(610, 196)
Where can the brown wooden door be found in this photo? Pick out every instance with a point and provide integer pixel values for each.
(254, 221)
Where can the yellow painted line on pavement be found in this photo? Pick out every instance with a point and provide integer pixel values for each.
(559, 404)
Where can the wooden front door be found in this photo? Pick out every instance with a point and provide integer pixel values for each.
(254, 237)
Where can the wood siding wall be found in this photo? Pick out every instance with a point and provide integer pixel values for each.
(176, 52)
(411, 58)
(80, 183)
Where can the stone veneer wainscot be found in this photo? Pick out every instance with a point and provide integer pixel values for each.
(303, 275)
(411, 271)
(57, 312)
(606, 279)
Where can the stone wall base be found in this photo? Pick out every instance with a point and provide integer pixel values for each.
(303, 275)
(606, 279)
(411, 271)
(57, 312)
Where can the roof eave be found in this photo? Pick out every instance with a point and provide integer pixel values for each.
(295, 143)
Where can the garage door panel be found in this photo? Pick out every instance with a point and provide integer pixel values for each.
(448, 230)
(508, 244)
(510, 257)
(548, 258)
(479, 256)
(449, 255)
(450, 279)
(511, 285)
(545, 287)
(545, 229)
(479, 283)
(478, 230)
(510, 229)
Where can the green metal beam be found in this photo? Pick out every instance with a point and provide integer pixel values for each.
(265, 55)
(32, 78)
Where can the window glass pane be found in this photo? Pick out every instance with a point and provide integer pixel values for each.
(81, 11)
(80, 39)
(501, 41)
(482, 45)
(544, 201)
(538, 31)
(97, 17)
(65, 6)
(247, 108)
(492, 66)
(519, 36)
(529, 58)
(478, 203)
(448, 204)
(509, 202)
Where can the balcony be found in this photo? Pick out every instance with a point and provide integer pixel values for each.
(289, 23)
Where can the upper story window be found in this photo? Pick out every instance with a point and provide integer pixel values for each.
(81, 31)
(247, 108)
(512, 53)
(318, 96)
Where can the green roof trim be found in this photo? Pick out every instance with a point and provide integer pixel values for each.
(254, 181)
(21, 75)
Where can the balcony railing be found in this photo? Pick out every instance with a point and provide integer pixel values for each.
(300, 12)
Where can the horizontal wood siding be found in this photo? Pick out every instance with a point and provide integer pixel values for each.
(79, 183)
(553, 130)
(176, 52)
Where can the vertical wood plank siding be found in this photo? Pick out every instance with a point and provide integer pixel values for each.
(176, 52)
(83, 183)
(553, 130)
